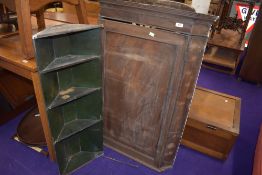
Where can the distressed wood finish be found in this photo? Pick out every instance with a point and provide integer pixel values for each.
(24, 8)
(20, 99)
(251, 68)
(70, 77)
(223, 52)
(36, 4)
(8, 88)
(152, 57)
(213, 123)
(25, 27)
(43, 114)
(11, 58)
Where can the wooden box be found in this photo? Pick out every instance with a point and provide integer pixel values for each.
(213, 123)
(69, 63)
(152, 57)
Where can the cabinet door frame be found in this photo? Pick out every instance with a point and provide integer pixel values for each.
(176, 39)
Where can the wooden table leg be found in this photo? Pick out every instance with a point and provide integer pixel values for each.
(82, 12)
(25, 27)
(40, 19)
(43, 114)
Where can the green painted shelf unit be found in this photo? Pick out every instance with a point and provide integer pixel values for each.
(69, 62)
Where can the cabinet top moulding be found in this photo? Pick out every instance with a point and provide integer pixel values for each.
(149, 13)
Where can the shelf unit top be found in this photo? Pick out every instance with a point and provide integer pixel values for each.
(64, 29)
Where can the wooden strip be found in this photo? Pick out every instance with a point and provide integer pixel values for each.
(15, 112)
(81, 12)
(43, 114)
(16, 69)
(204, 149)
(25, 27)
(237, 116)
(6, 35)
(40, 19)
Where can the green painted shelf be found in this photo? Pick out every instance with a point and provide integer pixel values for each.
(75, 93)
(70, 65)
(67, 61)
(74, 127)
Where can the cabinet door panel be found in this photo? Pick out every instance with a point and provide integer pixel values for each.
(137, 83)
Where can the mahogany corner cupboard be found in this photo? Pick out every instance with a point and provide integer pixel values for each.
(152, 56)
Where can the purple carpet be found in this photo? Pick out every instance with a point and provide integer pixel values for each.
(16, 159)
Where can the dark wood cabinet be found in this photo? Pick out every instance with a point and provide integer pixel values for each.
(252, 66)
(152, 57)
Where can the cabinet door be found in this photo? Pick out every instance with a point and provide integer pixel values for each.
(69, 64)
(142, 74)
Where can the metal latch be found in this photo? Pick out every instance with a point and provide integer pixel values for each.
(211, 127)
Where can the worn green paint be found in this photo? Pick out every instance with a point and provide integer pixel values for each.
(71, 79)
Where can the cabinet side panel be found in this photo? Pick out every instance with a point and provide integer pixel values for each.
(193, 60)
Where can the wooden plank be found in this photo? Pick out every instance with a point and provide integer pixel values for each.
(222, 57)
(227, 39)
(6, 35)
(93, 8)
(61, 17)
(203, 149)
(81, 12)
(217, 109)
(11, 58)
(25, 27)
(211, 67)
(43, 114)
(5, 117)
(210, 107)
(16, 69)
(9, 83)
(11, 54)
(35, 4)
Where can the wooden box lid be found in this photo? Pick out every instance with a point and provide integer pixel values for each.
(216, 109)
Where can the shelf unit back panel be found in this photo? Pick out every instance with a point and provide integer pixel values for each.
(69, 62)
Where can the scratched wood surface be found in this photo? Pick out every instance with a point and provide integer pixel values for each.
(150, 72)
(213, 123)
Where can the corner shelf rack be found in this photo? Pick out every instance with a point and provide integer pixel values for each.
(69, 63)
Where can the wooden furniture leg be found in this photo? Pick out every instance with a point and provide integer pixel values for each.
(24, 23)
(43, 115)
(82, 12)
(40, 19)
